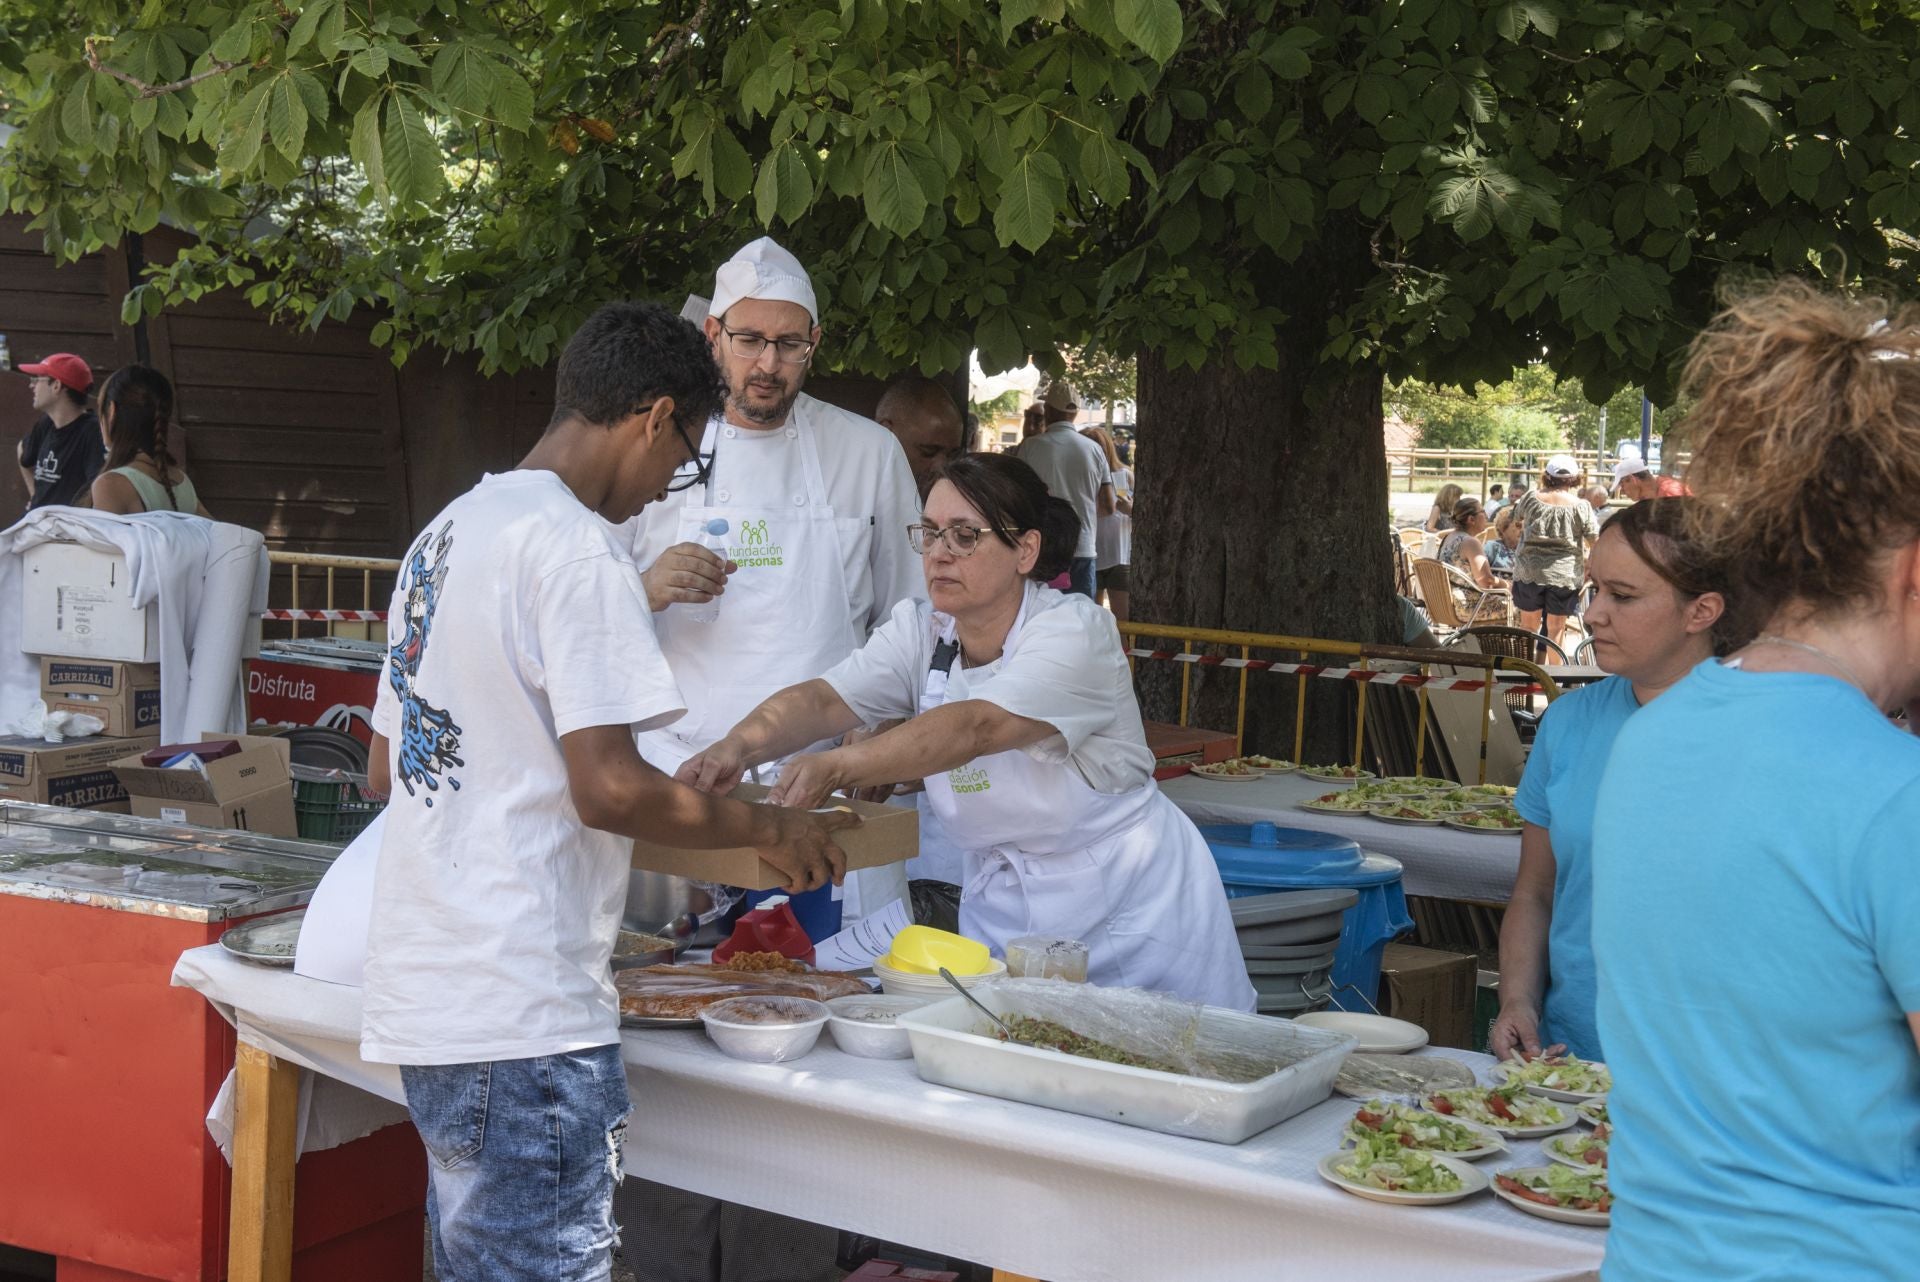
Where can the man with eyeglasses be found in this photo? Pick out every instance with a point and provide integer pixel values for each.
(62, 453)
(812, 499)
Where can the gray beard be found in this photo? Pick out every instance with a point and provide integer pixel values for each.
(772, 416)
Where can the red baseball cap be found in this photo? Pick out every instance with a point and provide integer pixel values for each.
(64, 367)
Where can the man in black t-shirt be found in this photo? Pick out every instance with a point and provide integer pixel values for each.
(63, 452)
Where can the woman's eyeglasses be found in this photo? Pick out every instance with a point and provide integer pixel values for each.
(961, 539)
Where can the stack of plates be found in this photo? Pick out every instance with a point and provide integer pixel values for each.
(901, 983)
(1289, 941)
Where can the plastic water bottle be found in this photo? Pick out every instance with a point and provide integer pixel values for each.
(714, 539)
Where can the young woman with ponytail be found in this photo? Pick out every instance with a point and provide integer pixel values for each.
(136, 404)
(1756, 908)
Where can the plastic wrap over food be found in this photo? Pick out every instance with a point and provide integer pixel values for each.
(1152, 1030)
(682, 992)
(1215, 1074)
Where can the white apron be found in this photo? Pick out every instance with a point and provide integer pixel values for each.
(1127, 874)
(783, 620)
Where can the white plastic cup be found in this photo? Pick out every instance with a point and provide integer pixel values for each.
(714, 539)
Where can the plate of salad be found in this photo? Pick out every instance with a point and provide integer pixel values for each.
(1233, 770)
(1336, 774)
(1583, 1151)
(1412, 785)
(1271, 765)
(1480, 819)
(1418, 813)
(1510, 1110)
(1338, 803)
(1381, 1169)
(1558, 1193)
(1486, 794)
(1594, 1113)
(1429, 1132)
(1566, 1078)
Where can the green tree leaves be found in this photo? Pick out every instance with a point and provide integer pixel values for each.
(1154, 25)
(1032, 191)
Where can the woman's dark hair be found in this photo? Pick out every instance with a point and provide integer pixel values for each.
(1465, 510)
(1548, 482)
(1660, 533)
(628, 354)
(136, 404)
(1010, 496)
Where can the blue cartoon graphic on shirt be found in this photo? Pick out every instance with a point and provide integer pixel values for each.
(429, 739)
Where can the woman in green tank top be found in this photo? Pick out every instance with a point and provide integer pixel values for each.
(136, 404)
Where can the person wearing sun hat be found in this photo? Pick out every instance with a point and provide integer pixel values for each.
(63, 451)
(1551, 564)
(1634, 479)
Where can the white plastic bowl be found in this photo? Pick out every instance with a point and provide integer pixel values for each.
(900, 983)
(869, 1027)
(766, 1030)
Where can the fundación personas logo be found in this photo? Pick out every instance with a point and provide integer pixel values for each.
(756, 547)
(968, 779)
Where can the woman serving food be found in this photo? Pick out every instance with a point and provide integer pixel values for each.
(1023, 723)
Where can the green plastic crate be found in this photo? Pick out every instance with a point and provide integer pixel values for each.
(331, 806)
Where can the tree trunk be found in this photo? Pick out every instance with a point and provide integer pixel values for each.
(1262, 509)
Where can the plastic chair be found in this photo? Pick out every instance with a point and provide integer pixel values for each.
(1411, 536)
(1515, 643)
(1438, 581)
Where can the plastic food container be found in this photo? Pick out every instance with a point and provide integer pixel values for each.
(900, 983)
(949, 1051)
(869, 1026)
(922, 950)
(1047, 957)
(766, 1030)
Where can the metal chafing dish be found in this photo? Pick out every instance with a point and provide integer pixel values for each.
(152, 867)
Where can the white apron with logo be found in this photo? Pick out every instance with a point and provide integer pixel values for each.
(1127, 874)
(783, 620)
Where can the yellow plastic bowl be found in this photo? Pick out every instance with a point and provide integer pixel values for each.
(922, 950)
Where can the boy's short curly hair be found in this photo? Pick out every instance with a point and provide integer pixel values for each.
(627, 355)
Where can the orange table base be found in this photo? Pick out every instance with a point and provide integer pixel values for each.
(106, 1075)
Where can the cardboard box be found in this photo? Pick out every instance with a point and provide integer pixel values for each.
(77, 774)
(78, 603)
(252, 789)
(1430, 988)
(124, 695)
(889, 834)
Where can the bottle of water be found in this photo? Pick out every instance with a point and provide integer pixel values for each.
(714, 539)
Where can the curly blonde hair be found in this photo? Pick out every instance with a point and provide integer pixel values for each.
(1807, 444)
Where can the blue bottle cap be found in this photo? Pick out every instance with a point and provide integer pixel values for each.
(718, 525)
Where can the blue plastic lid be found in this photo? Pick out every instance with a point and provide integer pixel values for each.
(1265, 854)
(718, 525)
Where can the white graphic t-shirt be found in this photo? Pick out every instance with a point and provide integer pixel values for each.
(518, 617)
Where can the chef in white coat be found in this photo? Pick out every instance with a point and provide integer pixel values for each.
(1022, 721)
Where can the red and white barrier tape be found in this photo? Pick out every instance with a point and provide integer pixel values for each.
(1336, 674)
(327, 616)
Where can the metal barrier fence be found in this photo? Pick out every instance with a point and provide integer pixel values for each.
(340, 620)
(1361, 674)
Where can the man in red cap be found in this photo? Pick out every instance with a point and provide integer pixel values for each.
(63, 452)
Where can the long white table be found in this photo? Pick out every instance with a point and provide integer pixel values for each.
(1442, 862)
(866, 1145)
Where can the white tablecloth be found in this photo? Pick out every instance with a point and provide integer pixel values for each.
(1443, 862)
(866, 1145)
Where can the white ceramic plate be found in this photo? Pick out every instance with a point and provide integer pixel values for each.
(1493, 1143)
(1202, 772)
(1514, 1132)
(1503, 1071)
(1552, 1148)
(1378, 1034)
(1588, 1112)
(1411, 823)
(1287, 769)
(1313, 772)
(1566, 1215)
(1332, 810)
(1472, 1181)
(1490, 832)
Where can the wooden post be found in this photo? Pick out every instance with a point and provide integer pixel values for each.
(266, 1106)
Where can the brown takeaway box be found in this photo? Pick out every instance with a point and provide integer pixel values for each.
(1430, 988)
(251, 790)
(887, 834)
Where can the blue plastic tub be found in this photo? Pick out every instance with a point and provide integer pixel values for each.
(1258, 859)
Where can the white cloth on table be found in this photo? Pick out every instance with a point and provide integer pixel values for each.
(1443, 862)
(867, 1146)
(210, 580)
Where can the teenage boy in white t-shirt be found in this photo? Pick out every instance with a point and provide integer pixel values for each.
(521, 664)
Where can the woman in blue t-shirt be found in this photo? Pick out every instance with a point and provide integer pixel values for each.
(1756, 905)
(1653, 618)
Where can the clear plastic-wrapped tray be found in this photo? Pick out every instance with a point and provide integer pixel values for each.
(1212, 1074)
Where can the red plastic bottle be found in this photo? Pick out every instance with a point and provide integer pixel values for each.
(769, 929)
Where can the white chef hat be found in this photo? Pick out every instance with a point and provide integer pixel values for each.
(763, 270)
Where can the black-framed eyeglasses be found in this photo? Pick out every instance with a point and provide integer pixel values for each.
(749, 346)
(961, 539)
(702, 464)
